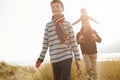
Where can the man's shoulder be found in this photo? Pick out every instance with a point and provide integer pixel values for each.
(94, 31)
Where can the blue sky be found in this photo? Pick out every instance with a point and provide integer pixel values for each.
(22, 24)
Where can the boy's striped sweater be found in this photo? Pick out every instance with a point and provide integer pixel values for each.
(58, 51)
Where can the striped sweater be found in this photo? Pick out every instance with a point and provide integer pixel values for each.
(59, 51)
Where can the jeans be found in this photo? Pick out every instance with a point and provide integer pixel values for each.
(61, 70)
(90, 63)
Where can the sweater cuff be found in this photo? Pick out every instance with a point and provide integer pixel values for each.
(77, 59)
(40, 60)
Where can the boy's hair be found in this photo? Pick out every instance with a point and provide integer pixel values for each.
(58, 1)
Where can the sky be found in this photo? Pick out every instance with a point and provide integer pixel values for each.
(22, 24)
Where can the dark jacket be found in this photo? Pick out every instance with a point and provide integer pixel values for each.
(88, 44)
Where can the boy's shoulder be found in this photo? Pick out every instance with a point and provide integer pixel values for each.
(49, 24)
(67, 23)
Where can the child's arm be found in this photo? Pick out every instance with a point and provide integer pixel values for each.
(44, 49)
(73, 42)
(77, 21)
(93, 20)
(74, 47)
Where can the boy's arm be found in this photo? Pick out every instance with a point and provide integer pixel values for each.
(74, 46)
(44, 47)
(73, 43)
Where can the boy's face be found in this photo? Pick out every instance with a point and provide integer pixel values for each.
(56, 8)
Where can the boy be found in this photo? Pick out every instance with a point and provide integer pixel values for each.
(60, 48)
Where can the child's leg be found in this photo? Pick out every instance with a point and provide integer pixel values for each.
(61, 70)
(56, 71)
(65, 69)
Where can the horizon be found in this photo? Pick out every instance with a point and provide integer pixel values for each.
(100, 58)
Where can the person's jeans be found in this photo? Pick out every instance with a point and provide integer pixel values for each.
(90, 62)
(61, 70)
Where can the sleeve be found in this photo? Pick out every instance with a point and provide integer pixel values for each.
(44, 46)
(73, 43)
(78, 36)
(98, 37)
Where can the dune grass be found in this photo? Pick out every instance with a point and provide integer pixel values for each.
(107, 70)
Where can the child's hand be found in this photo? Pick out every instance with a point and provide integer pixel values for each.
(81, 39)
(38, 63)
(77, 62)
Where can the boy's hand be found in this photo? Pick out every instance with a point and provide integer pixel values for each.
(38, 63)
(77, 62)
